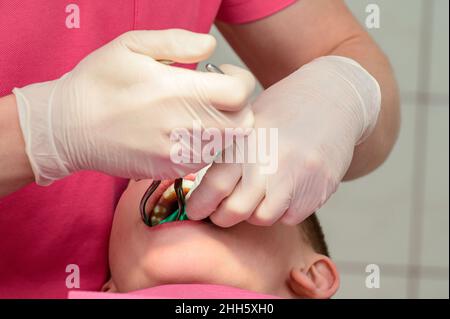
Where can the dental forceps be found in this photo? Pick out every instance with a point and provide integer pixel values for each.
(178, 185)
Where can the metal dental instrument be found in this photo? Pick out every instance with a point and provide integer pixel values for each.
(180, 196)
(144, 201)
(178, 185)
(212, 68)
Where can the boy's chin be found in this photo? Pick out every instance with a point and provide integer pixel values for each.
(202, 265)
(174, 266)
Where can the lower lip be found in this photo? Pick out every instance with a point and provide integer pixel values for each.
(175, 224)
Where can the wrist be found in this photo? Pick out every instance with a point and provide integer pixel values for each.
(34, 106)
(360, 91)
(15, 168)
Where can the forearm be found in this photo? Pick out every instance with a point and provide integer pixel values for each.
(15, 169)
(374, 150)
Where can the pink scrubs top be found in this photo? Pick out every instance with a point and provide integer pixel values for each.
(45, 229)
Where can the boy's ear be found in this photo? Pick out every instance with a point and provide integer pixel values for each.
(319, 279)
(109, 286)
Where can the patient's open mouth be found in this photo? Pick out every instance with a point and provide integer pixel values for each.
(167, 203)
(162, 206)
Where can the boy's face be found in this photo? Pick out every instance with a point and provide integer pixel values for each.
(260, 259)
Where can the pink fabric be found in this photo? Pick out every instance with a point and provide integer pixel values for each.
(44, 229)
(242, 11)
(185, 291)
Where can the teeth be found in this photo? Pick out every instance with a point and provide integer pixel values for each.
(155, 220)
(165, 204)
(169, 193)
(159, 210)
(187, 185)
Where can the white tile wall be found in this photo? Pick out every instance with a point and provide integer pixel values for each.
(367, 220)
(439, 50)
(398, 35)
(433, 288)
(353, 286)
(435, 250)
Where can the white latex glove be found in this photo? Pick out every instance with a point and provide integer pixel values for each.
(321, 111)
(115, 111)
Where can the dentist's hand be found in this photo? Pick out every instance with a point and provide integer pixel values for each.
(321, 112)
(115, 111)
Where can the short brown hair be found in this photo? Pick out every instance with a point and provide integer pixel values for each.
(313, 234)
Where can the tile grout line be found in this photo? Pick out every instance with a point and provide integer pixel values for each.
(433, 99)
(419, 159)
(394, 270)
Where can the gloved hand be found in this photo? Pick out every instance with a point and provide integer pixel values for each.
(321, 111)
(115, 111)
